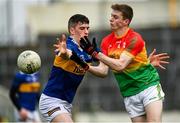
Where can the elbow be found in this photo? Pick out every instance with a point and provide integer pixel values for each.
(12, 93)
(102, 74)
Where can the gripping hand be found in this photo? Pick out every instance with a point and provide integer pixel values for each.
(94, 44)
(88, 47)
(79, 61)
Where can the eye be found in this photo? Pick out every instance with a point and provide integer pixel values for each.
(82, 28)
(116, 17)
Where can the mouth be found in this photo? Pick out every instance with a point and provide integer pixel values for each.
(111, 25)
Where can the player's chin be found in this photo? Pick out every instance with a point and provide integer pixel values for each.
(113, 29)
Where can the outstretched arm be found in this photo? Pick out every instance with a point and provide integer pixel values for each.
(13, 97)
(158, 60)
(65, 53)
(115, 64)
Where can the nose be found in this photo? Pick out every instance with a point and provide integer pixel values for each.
(111, 19)
(86, 31)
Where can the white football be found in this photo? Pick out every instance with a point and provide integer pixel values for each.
(29, 62)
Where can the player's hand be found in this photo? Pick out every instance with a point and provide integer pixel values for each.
(89, 47)
(23, 114)
(61, 49)
(79, 61)
(94, 44)
(158, 60)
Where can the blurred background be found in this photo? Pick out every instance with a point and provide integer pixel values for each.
(35, 25)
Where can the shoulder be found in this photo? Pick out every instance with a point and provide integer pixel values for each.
(135, 35)
(71, 43)
(36, 74)
(19, 74)
(134, 39)
(135, 43)
(18, 77)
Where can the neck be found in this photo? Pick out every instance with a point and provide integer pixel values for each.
(120, 32)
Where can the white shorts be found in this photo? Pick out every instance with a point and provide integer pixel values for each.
(50, 107)
(135, 105)
(33, 116)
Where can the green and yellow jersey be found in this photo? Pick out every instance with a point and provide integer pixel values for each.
(139, 74)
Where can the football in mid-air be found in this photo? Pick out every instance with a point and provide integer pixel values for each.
(29, 62)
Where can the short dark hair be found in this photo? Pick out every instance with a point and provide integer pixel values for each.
(127, 11)
(75, 19)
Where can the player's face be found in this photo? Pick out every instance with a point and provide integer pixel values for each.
(80, 30)
(116, 21)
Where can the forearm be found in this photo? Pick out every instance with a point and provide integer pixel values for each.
(115, 64)
(100, 70)
(79, 61)
(13, 98)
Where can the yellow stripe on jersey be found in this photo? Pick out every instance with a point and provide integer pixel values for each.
(68, 65)
(29, 87)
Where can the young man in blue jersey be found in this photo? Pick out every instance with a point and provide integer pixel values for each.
(24, 94)
(69, 67)
(66, 75)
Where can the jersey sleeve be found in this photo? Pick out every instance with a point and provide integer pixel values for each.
(14, 90)
(135, 46)
(17, 80)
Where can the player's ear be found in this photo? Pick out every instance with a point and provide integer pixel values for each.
(126, 21)
(72, 30)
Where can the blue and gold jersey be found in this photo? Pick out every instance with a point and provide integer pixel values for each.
(66, 75)
(28, 87)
